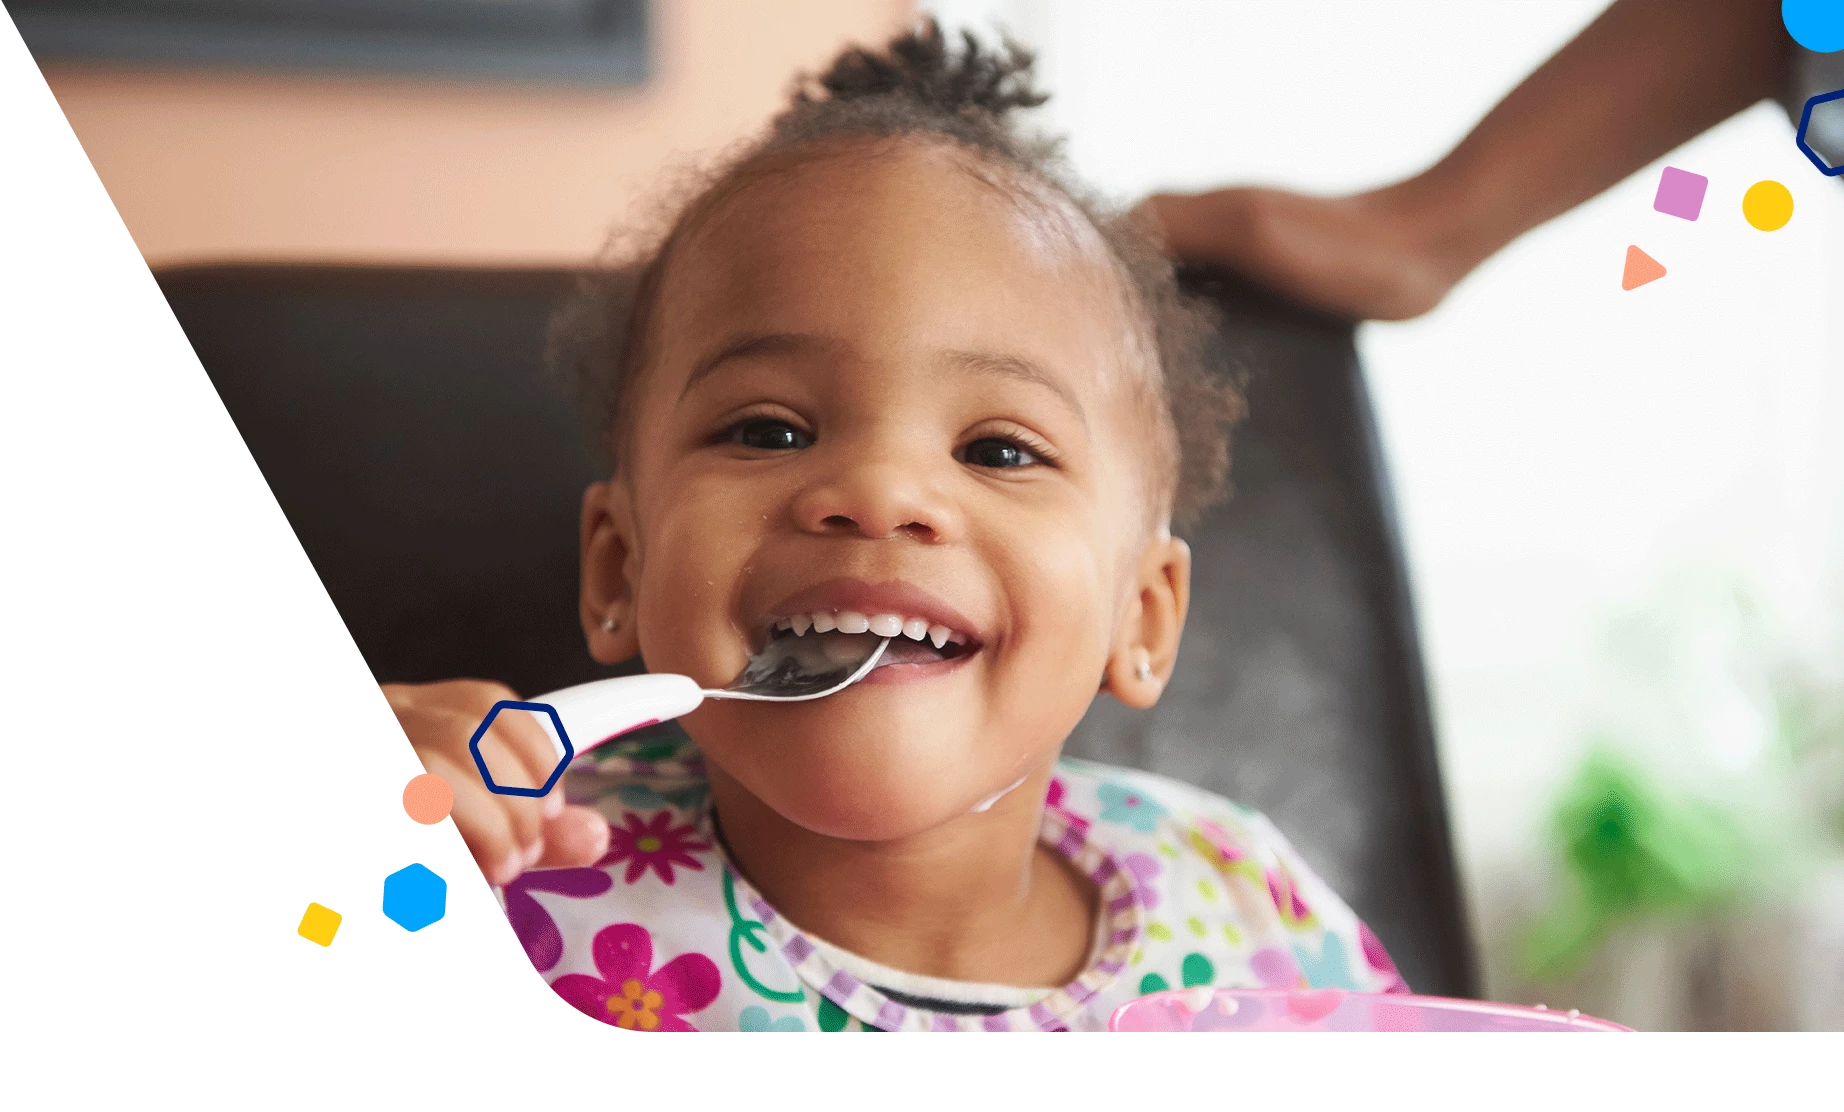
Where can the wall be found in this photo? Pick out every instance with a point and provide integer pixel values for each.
(240, 166)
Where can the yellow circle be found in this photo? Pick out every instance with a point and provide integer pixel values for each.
(1767, 205)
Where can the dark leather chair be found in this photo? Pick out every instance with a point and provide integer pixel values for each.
(433, 478)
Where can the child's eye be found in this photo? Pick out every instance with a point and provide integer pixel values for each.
(769, 435)
(992, 452)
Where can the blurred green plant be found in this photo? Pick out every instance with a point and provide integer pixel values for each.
(1714, 774)
(1811, 734)
(1631, 848)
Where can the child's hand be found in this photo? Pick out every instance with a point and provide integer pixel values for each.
(507, 834)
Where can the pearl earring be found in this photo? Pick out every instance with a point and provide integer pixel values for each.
(609, 624)
(1143, 670)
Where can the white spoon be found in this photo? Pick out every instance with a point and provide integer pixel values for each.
(787, 670)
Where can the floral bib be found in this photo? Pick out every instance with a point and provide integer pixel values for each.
(663, 934)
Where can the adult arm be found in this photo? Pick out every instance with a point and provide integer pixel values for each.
(1643, 78)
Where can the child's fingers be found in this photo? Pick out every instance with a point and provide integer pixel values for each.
(505, 832)
(575, 838)
(527, 823)
(484, 821)
(487, 832)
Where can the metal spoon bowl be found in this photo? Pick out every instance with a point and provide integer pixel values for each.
(795, 669)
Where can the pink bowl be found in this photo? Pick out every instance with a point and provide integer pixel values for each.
(1331, 1009)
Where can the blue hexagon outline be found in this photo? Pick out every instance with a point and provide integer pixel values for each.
(473, 747)
(1805, 119)
(431, 874)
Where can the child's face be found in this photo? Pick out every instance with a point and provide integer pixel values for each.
(878, 384)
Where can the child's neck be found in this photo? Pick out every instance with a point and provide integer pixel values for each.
(978, 899)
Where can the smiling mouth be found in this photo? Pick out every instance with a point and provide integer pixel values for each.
(912, 640)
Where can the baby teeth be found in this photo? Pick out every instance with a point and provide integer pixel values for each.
(881, 625)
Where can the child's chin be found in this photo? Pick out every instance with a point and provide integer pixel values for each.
(866, 804)
(855, 774)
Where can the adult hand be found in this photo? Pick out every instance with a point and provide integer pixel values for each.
(507, 834)
(1364, 257)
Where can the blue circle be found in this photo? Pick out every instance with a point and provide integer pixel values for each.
(1817, 25)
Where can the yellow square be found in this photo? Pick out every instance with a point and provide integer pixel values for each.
(319, 924)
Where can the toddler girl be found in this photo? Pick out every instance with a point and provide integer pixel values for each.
(889, 373)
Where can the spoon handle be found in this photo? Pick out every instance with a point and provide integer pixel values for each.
(595, 713)
(600, 711)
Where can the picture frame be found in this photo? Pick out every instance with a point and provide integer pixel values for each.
(573, 42)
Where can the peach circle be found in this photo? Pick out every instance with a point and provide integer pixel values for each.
(428, 799)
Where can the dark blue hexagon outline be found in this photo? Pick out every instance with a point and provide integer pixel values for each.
(1805, 118)
(480, 764)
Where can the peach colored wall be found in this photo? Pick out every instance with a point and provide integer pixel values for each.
(219, 166)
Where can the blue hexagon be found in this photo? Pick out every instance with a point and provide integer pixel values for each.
(1805, 125)
(414, 897)
(473, 746)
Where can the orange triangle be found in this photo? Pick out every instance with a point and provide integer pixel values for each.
(1640, 269)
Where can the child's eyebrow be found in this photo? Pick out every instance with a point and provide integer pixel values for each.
(759, 343)
(995, 364)
(1019, 369)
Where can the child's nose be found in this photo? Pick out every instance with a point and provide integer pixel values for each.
(878, 499)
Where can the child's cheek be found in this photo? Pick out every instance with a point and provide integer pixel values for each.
(695, 552)
(1063, 596)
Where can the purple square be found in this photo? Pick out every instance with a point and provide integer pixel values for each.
(1680, 193)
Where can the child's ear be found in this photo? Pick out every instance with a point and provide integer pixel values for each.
(608, 570)
(1146, 645)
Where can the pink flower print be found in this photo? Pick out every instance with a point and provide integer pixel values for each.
(630, 993)
(652, 844)
(1276, 968)
(1214, 843)
(1218, 848)
(1145, 869)
(536, 930)
(1288, 901)
(1378, 959)
(1054, 796)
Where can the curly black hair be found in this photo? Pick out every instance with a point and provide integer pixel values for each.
(921, 88)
